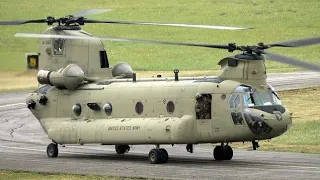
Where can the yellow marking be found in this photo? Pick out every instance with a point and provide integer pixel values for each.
(33, 62)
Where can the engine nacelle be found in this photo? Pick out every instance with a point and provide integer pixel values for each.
(69, 77)
(122, 69)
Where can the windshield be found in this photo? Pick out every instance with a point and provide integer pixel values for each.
(261, 98)
(254, 98)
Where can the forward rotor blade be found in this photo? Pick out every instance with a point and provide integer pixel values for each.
(90, 12)
(120, 40)
(165, 24)
(297, 43)
(18, 22)
(291, 61)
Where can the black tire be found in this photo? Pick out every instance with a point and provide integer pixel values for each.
(218, 153)
(127, 148)
(52, 150)
(120, 149)
(164, 155)
(228, 153)
(155, 156)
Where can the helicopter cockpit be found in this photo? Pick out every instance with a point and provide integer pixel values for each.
(259, 109)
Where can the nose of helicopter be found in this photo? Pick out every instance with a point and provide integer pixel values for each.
(278, 121)
(268, 121)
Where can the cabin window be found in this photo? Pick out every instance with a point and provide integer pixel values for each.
(203, 106)
(76, 109)
(235, 105)
(103, 59)
(170, 107)
(139, 108)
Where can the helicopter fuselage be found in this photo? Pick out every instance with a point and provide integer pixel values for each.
(155, 111)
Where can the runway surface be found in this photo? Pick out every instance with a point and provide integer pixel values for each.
(23, 147)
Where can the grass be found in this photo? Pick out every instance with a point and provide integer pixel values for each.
(6, 175)
(304, 134)
(272, 20)
(17, 81)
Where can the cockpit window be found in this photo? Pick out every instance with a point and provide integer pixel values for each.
(252, 97)
(266, 98)
(234, 101)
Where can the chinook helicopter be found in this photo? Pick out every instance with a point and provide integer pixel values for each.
(82, 100)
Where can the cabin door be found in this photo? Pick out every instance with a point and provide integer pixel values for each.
(203, 111)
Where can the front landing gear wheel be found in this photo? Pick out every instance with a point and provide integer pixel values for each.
(218, 153)
(52, 150)
(155, 156)
(228, 153)
(164, 155)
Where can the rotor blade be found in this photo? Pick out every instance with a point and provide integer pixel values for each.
(291, 61)
(18, 22)
(90, 12)
(165, 24)
(297, 43)
(27, 35)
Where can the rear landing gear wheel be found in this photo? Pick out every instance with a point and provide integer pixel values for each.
(121, 149)
(155, 156)
(223, 153)
(164, 155)
(52, 150)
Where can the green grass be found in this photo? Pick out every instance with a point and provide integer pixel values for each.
(5, 174)
(272, 20)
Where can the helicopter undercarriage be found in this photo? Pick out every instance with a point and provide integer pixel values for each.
(157, 155)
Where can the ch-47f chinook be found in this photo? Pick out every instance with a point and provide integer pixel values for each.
(88, 102)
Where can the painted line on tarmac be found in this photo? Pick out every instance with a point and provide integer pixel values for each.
(10, 105)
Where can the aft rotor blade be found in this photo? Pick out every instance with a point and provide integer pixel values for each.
(165, 24)
(120, 40)
(90, 12)
(297, 43)
(291, 61)
(18, 22)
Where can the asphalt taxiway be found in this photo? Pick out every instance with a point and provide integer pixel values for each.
(23, 147)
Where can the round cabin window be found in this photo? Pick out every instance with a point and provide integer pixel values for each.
(170, 107)
(139, 108)
(107, 108)
(76, 109)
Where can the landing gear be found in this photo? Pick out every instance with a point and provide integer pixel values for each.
(157, 156)
(165, 155)
(223, 152)
(121, 149)
(189, 148)
(255, 145)
(52, 150)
